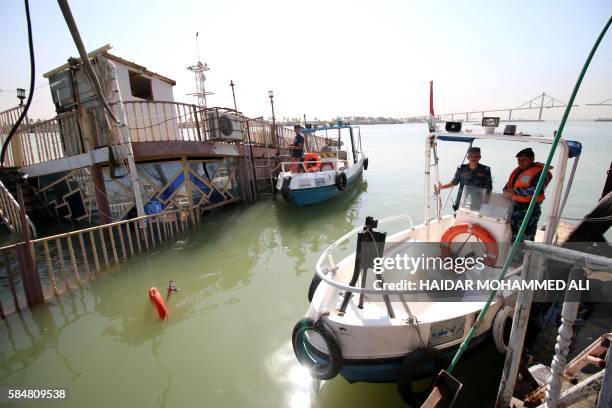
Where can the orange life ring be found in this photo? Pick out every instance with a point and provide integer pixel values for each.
(158, 301)
(312, 162)
(492, 250)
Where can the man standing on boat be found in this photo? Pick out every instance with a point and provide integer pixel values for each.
(471, 174)
(520, 188)
(297, 149)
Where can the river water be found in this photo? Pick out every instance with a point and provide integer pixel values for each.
(243, 275)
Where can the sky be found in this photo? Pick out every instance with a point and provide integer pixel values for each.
(331, 58)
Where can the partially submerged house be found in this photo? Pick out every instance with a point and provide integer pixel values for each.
(151, 154)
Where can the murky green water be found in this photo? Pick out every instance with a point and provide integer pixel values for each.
(243, 275)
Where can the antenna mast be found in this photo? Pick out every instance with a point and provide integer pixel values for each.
(198, 70)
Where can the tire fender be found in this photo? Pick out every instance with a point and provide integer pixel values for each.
(321, 371)
(502, 325)
(285, 190)
(418, 365)
(341, 180)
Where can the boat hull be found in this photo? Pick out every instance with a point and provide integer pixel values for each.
(385, 370)
(315, 195)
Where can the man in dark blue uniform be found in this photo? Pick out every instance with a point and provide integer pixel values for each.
(297, 149)
(471, 174)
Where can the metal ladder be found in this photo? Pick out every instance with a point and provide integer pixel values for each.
(255, 166)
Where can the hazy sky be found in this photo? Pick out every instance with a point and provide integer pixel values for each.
(328, 58)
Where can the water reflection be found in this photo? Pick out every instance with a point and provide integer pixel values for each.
(41, 328)
(307, 230)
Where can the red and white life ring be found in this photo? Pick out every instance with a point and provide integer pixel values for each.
(491, 247)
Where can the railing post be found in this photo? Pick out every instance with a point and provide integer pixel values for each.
(519, 327)
(564, 340)
(197, 122)
(25, 255)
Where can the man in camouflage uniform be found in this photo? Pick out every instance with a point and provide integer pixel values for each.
(520, 189)
(471, 174)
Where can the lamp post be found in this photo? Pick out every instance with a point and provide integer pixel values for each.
(20, 95)
(274, 136)
(232, 84)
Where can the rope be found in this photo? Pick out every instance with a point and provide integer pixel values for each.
(532, 204)
(32, 81)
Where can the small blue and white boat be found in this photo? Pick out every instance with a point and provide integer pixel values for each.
(326, 170)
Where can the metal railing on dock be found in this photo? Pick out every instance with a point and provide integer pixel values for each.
(67, 260)
(77, 132)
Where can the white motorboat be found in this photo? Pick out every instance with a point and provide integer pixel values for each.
(367, 331)
(327, 170)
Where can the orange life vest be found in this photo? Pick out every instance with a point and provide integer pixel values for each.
(525, 179)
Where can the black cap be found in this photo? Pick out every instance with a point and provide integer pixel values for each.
(526, 153)
(475, 150)
(297, 126)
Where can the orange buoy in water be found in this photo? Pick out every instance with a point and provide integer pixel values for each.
(158, 301)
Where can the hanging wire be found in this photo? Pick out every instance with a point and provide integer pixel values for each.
(24, 112)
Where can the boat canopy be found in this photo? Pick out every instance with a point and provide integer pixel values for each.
(338, 125)
(574, 148)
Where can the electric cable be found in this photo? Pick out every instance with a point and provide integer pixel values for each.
(32, 81)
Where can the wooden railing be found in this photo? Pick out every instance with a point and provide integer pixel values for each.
(67, 260)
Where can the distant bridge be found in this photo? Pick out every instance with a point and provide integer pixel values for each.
(540, 102)
(607, 102)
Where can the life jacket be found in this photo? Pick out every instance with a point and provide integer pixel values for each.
(525, 179)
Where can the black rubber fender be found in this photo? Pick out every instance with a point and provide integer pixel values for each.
(365, 163)
(314, 284)
(341, 180)
(317, 370)
(419, 365)
(285, 190)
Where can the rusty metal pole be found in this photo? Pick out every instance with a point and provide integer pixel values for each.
(25, 255)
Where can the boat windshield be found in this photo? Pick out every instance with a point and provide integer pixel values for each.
(486, 204)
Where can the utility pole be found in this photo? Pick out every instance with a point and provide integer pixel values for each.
(232, 84)
(274, 135)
